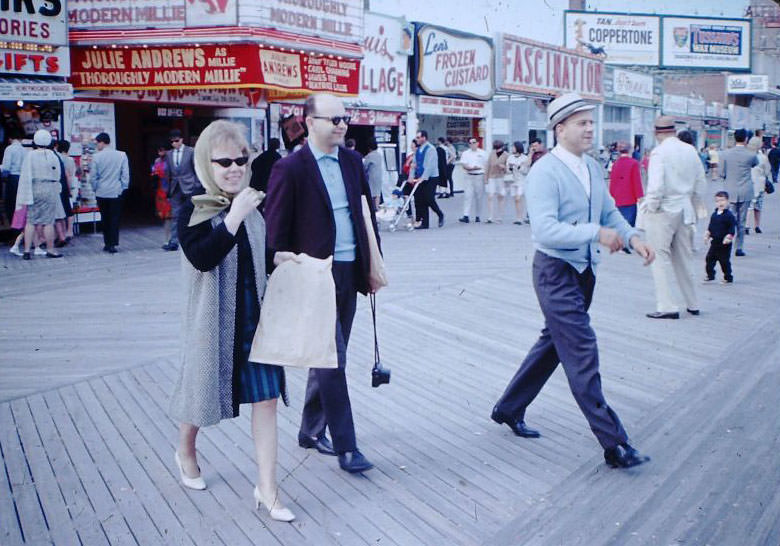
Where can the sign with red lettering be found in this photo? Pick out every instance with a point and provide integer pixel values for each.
(16, 61)
(99, 14)
(211, 12)
(39, 22)
(442, 106)
(236, 98)
(335, 19)
(383, 70)
(373, 117)
(541, 69)
(210, 67)
(453, 64)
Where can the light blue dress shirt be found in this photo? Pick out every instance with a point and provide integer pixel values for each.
(337, 191)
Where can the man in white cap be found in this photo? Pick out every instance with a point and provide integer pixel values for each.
(676, 184)
(571, 212)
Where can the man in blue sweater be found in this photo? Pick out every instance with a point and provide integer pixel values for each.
(571, 213)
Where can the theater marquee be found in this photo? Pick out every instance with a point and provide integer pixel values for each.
(210, 67)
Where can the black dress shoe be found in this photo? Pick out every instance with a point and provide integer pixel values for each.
(694, 312)
(758, 230)
(464, 219)
(354, 462)
(662, 315)
(517, 426)
(170, 247)
(320, 443)
(112, 250)
(441, 220)
(623, 456)
(739, 253)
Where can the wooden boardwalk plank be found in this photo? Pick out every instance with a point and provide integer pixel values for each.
(47, 486)
(34, 528)
(81, 511)
(156, 454)
(10, 520)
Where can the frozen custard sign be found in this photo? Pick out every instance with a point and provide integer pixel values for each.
(453, 64)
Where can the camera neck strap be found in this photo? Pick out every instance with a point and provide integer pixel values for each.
(372, 300)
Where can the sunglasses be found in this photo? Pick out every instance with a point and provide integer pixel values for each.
(175, 140)
(226, 162)
(335, 120)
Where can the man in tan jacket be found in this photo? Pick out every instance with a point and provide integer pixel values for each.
(675, 189)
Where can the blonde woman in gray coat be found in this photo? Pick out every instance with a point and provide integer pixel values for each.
(222, 237)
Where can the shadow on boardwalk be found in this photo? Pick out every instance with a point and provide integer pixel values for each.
(87, 445)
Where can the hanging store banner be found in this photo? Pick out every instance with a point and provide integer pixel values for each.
(236, 98)
(383, 70)
(628, 87)
(334, 19)
(449, 63)
(38, 22)
(35, 63)
(210, 67)
(675, 105)
(442, 106)
(747, 84)
(541, 69)
(101, 14)
(691, 42)
(622, 38)
(33, 91)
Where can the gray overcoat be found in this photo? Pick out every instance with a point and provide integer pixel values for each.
(204, 391)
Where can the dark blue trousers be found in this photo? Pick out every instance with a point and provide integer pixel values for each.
(327, 400)
(564, 296)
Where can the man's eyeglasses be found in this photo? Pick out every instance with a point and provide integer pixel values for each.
(472, 141)
(175, 140)
(226, 162)
(335, 120)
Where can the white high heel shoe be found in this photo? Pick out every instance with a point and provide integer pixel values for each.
(277, 511)
(199, 484)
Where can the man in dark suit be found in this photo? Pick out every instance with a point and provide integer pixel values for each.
(183, 181)
(314, 206)
(261, 166)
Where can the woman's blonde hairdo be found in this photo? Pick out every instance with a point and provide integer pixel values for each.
(220, 131)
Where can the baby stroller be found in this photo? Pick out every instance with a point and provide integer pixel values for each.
(394, 209)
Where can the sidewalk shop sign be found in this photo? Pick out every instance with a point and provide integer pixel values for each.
(35, 63)
(542, 69)
(628, 87)
(622, 38)
(449, 63)
(693, 42)
(34, 90)
(211, 66)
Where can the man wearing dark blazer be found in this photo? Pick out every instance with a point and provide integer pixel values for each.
(183, 181)
(314, 206)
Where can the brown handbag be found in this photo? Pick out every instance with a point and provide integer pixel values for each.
(377, 276)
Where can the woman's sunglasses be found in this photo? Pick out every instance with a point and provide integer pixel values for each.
(226, 162)
(335, 120)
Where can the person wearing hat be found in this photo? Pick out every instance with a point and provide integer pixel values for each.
(571, 213)
(109, 175)
(39, 189)
(676, 184)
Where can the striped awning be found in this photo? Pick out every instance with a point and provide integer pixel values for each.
(34, 89)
